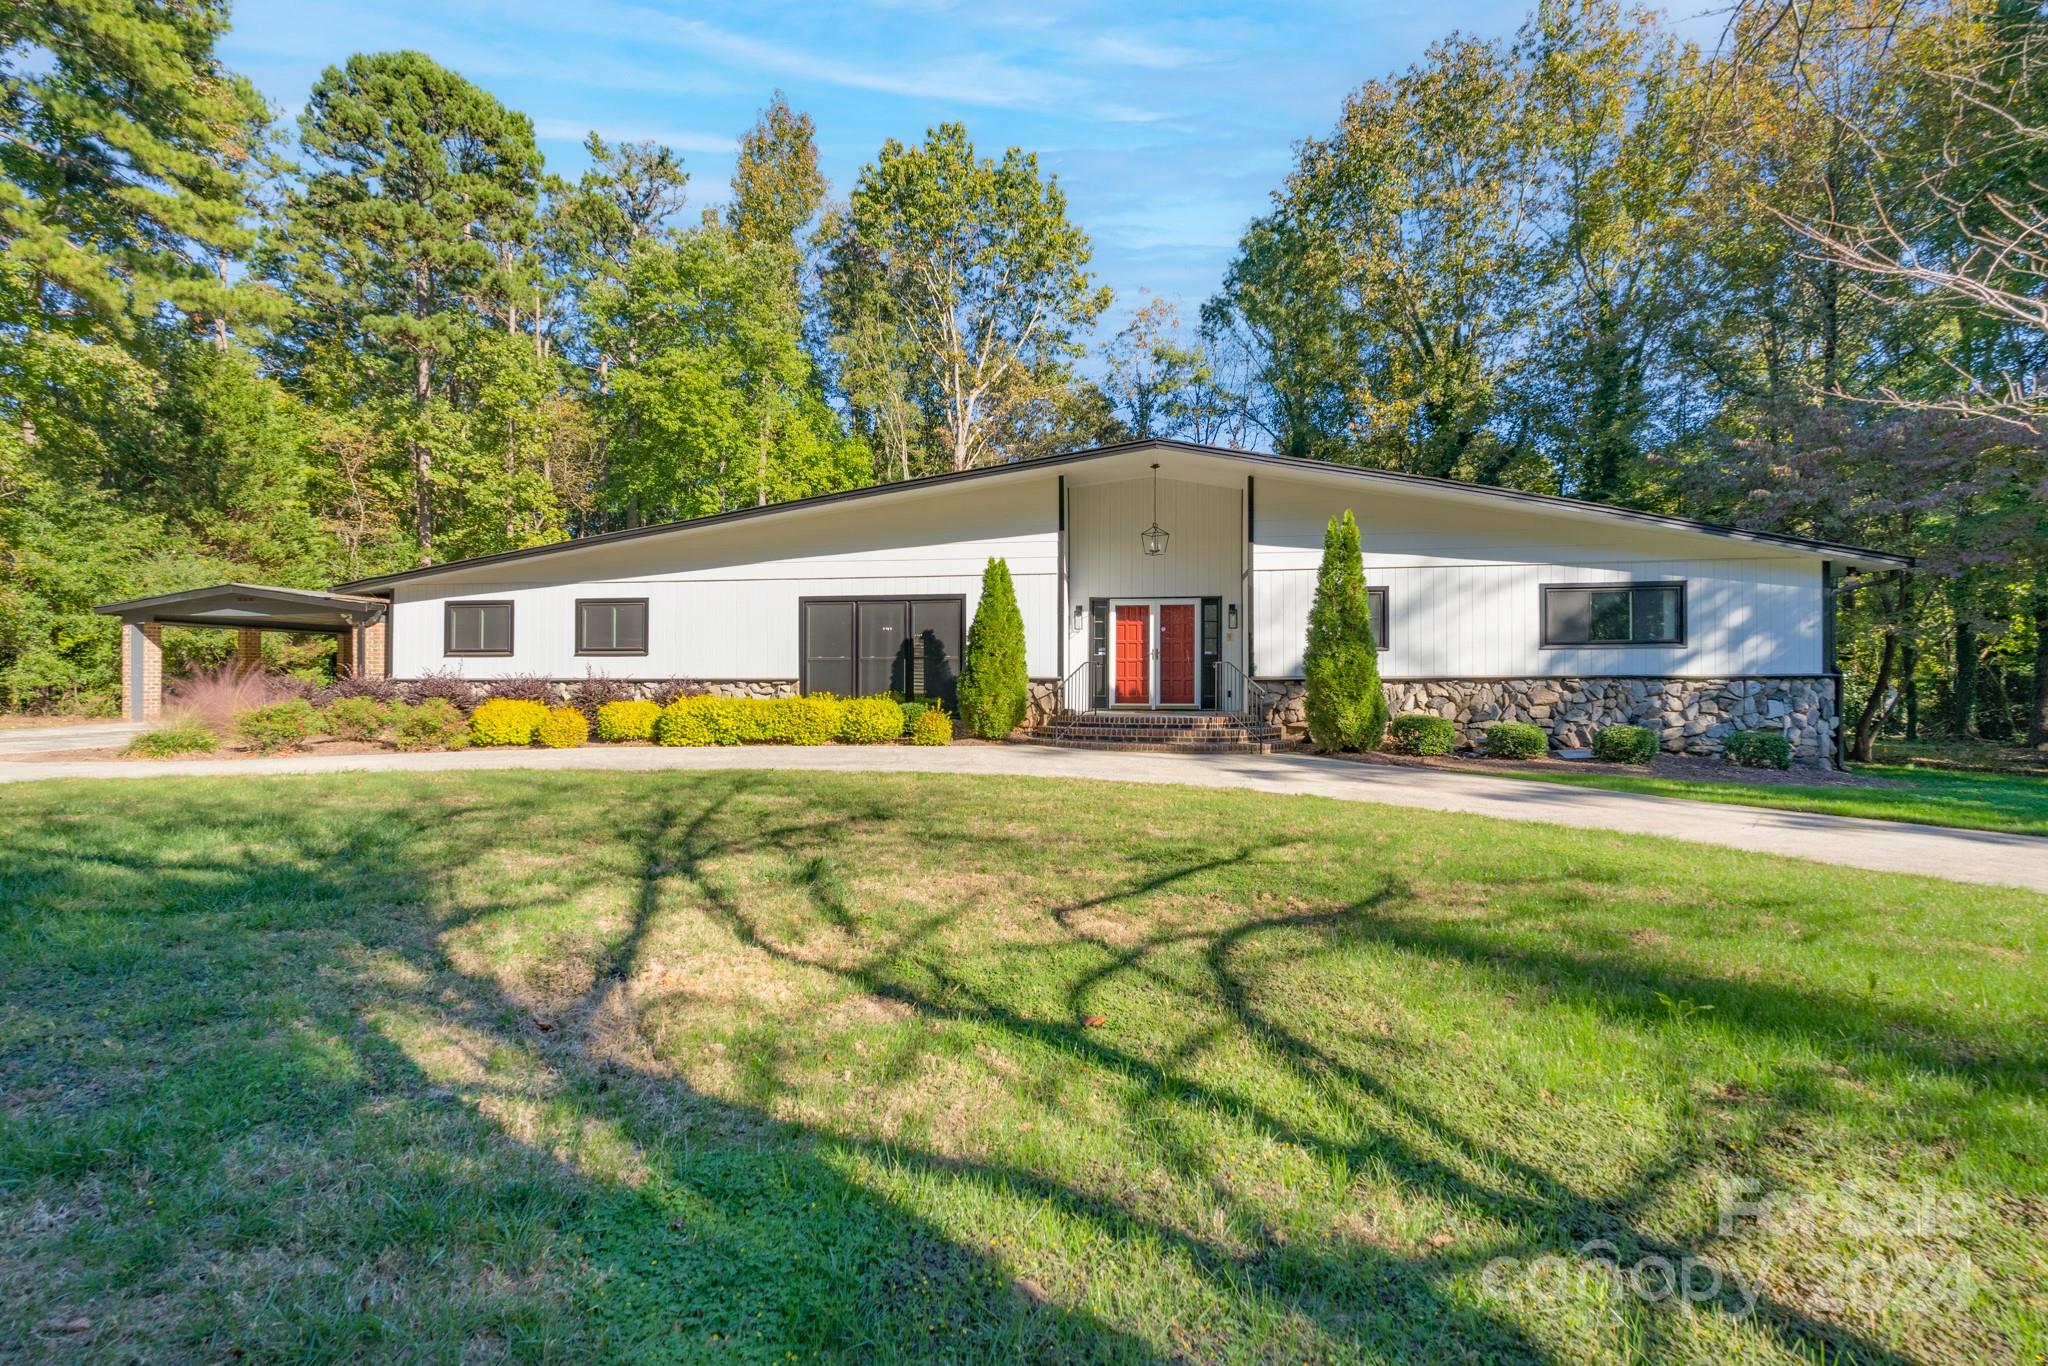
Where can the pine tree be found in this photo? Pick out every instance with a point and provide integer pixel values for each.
(125, 155)
(993, 688)
(1346, 707)
(393, 245)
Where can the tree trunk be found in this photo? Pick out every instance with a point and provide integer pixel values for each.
(1873, 706)
(423, 462)
(1909, 685)
(2037, 718)
(1963, 705)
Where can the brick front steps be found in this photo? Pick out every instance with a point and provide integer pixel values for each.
(1157, 732)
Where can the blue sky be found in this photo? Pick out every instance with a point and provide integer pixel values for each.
(1168, 125)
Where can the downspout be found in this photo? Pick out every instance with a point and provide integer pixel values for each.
(1250, 571)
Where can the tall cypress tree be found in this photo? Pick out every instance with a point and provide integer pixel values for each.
(994, 690)
(1347, 709)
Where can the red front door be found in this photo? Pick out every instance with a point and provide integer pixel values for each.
(1133, 643)
(1176, 654)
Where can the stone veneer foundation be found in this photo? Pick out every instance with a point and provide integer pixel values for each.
(647, 687)
(1690, 715)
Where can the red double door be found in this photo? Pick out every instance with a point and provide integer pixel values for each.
(1154, 652)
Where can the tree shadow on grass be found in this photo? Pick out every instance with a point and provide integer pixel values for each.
(713, 1226)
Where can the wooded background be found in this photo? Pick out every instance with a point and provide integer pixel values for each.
(1792, 282)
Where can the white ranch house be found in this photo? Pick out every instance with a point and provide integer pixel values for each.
(1491, 604)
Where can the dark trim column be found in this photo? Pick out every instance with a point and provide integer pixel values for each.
(1251, 572)
(1828, 663)
(1060, 598)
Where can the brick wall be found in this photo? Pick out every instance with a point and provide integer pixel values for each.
(146, 702)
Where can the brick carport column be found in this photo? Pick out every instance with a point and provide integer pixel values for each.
(248, 650)
(375, 640)
(142, 671)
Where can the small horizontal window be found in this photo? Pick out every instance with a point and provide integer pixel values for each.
(1616, 614)
(1376, 598)
(478, 628)
(611, 626)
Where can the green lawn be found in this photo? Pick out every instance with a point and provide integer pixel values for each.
(583, 1065)
(2016, 802)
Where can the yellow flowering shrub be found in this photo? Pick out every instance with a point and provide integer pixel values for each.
(506, 721)
(869, 720)
(563, 728)
(627, 720)
(933, 727)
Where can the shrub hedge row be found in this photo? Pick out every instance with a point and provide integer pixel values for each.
(812, 720)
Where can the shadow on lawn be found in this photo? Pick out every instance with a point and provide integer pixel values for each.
(749, 1228)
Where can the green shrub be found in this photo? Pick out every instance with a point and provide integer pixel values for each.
(870, 720)
(911, 711)
(1515, 740)
(1625, 744)
(1418, 732)
(993, 690)
(279, 726)
(171, 741)
(435, 723)
(1758, 749)
(933, 727)
(627, 720)
(563, 728)
(1347, 709)
(506, 721)
(355, 718)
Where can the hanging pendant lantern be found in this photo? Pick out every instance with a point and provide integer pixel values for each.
(1154, 536)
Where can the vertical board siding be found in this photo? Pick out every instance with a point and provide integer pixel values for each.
(1464, 589)
(1463, 580)
(1105, 559)
(722, 601)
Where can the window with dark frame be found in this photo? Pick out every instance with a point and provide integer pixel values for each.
(1376, 602)
(864, 647)
(1614, 614)
(611, 626)
(477, 628)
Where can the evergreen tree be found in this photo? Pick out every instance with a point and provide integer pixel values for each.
(1347, 709)
(393, 245)
(994, 690)
(125, 149)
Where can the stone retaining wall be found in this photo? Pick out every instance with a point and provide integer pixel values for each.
(1691, 715)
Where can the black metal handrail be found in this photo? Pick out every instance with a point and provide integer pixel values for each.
(1254, 698)
(1066, 691)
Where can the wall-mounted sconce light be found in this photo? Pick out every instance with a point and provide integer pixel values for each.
(1230, 616)
(1080, 615)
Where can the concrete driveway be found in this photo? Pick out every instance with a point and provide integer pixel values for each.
(1886, 846)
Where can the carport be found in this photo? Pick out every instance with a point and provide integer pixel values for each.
(247, 609)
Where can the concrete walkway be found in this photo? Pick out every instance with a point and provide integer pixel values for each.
(19, 740)
(1886, 846)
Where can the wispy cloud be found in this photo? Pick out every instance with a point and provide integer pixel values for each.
(571, 130)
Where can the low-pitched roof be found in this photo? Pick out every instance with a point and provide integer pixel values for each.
(263, 606)
(1292, 464)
